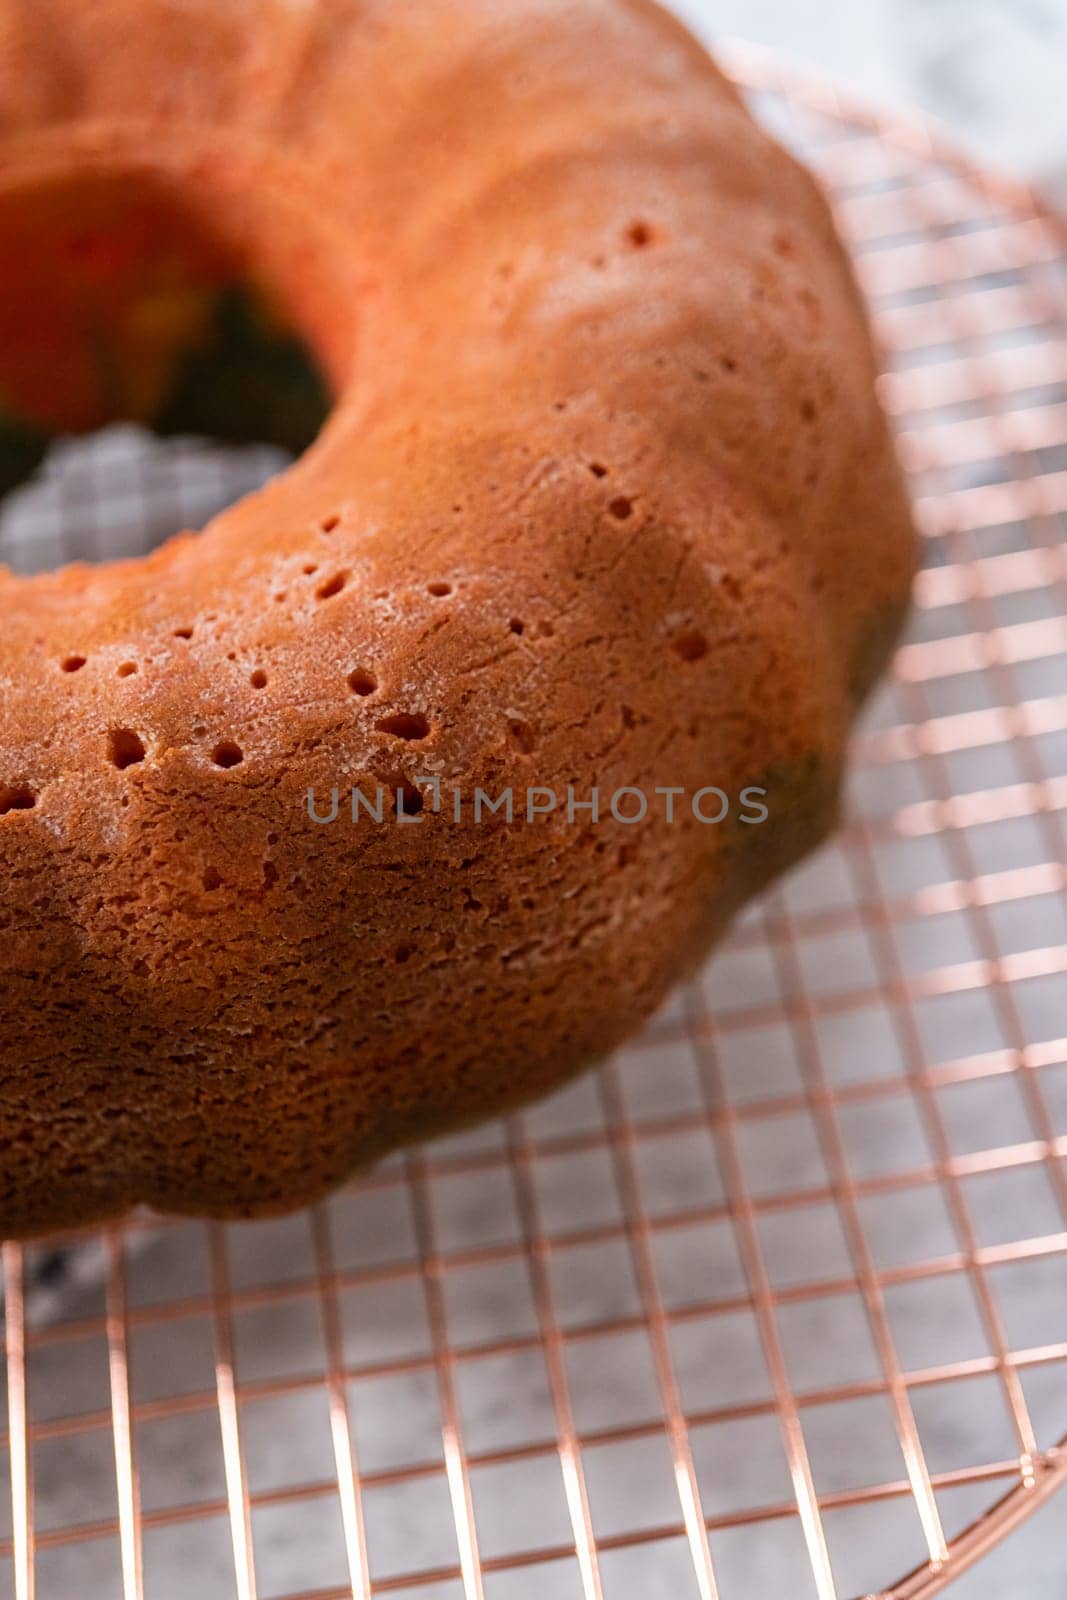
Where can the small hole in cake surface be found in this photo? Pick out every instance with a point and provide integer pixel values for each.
(598, 470)
(621, 508)
(310, 568)
(522, 736)
(72, 663)
(691, 646)
(439, 590)
(258, 680)
(183, 633)
(332, 586)
(640, 234)
(227, 754)
(16, 797)
(409, 725)
(125, 748)
(517, 625)
(328, 524)
(127, 669)
(362, 682)
(212, 879)
(407, 799)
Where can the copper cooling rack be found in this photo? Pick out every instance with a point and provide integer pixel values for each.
(776, 1303)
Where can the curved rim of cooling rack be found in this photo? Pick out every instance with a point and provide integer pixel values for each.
(752, 66)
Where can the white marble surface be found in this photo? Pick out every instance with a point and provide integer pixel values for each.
(993, 71)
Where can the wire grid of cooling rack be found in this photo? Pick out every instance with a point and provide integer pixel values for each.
(776, 1302)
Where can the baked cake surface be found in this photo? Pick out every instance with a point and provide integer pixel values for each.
(604, 500)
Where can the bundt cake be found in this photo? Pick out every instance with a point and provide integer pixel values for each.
(596, 507)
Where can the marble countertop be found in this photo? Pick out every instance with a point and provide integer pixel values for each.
(992, 71)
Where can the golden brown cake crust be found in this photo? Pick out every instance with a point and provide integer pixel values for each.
(606, 499)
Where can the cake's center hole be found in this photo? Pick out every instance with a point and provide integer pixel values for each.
(123, 299)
